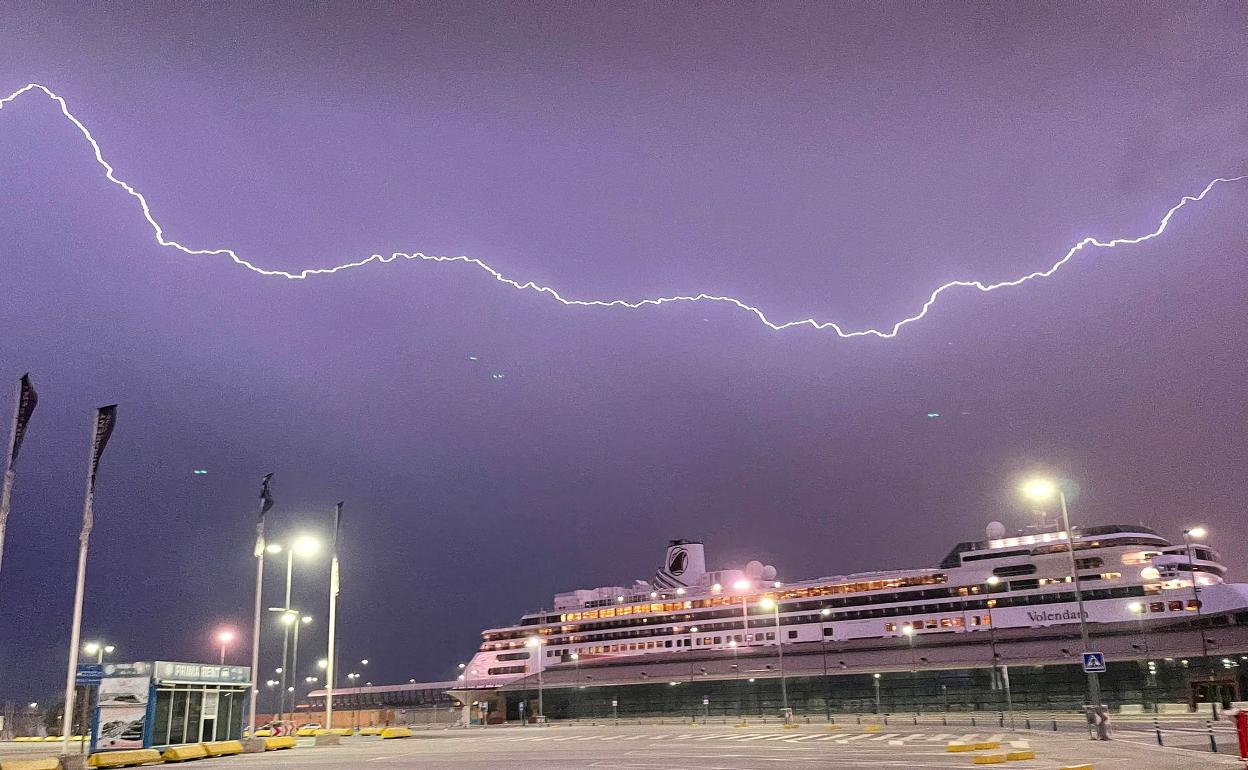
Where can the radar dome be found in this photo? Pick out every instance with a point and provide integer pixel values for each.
(754, 569)
(995, 530)
(769, 572)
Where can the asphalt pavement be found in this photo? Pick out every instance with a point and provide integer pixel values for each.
(718, 747)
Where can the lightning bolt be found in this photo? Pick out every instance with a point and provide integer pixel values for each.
(883, 333)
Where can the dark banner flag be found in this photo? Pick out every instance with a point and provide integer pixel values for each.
(27, 399)
(266, 503)
(105, 419)
(266, 495)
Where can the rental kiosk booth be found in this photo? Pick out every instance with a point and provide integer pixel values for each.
(161, 703)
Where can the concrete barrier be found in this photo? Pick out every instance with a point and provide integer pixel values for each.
(985, 746)
(1173, 708)
(185, 753)
(957, 747)
(1131, 708)
(264, 733)
(345, 732)
(131, 758)
(1077, 767)
(281, 742)
(397, 732)
(371, 730)
(223, 748)
(1016, 756)
(48, 763)
(306, 732)
(871, 728)
(990, 759)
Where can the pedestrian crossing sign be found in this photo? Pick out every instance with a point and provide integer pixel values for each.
(1094, 662)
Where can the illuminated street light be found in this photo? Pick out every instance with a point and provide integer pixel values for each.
(98, 649)
(535, 643)
(1190, 534)
(306, 545)
(322, 664)
(1042, 490)
(742, 585)
(224, 637)
(769, 603)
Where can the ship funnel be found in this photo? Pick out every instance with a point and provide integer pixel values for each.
(685, 565)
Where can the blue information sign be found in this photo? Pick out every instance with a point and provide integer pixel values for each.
(1094, 662)
(89, 674)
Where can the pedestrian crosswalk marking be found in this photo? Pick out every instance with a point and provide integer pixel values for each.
(883, 737)
(855, 738)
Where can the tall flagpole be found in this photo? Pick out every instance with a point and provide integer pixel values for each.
(266, 502)
(22, 409)
(333, 617)
(101, 429)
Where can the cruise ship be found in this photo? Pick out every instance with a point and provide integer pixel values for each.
(1126, 574)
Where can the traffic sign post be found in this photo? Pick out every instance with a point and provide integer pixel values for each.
(1097, 714)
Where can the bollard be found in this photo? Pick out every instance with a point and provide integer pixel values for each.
(972, 720)
(1213, 742)
(1157, 729)
(944, 719)
(1054, 718)
(886, 719)
(916, 720)
(859, 716)
(1000, 719)
(1027, 720)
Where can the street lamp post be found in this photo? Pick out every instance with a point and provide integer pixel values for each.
(1001, 670)
(692, 630)
(576, 658)
(301, 546)
(353, 678)
(535, 643)
(224, 638)
(1044, 489)
(1137, 609)
(769, 603)
(294, 658)
(876, 679)
(823, 646)
(1188, 534)
(908, 632)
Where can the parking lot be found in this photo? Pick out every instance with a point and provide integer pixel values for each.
(712, 747)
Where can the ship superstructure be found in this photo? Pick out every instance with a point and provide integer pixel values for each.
(1127, 573)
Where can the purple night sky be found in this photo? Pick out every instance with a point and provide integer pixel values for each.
(833, 160)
